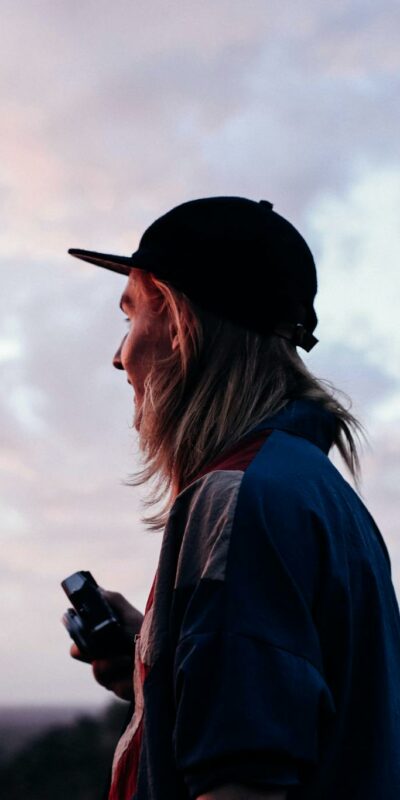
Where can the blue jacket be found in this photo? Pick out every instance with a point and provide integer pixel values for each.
(271, 640)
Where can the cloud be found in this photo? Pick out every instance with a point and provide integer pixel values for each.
(111, 115)
(116, 116)
(358, 241)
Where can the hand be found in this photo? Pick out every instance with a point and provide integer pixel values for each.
(115, 673)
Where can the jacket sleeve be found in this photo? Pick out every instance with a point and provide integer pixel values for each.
(251, 700)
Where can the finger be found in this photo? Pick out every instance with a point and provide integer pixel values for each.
(76, 653)
(116, 599)
(117, 664)
(121, 605)
(107, 672)
(124, 690)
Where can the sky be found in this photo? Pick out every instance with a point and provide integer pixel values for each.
(112, 113)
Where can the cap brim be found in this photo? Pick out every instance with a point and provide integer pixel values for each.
(121, 264)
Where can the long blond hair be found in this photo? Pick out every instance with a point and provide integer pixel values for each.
(216, 385)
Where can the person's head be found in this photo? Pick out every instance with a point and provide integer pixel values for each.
(211, 344)
(202, 382)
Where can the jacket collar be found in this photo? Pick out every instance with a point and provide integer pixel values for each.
(304, 417)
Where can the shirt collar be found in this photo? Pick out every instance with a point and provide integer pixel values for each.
(304, 417)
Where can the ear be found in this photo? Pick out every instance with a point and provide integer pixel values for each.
(174, 337)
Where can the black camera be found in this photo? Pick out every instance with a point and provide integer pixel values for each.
(92, 623)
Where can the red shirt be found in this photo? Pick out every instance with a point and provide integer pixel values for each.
(127, 753)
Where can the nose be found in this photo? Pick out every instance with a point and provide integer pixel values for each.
(117, 363)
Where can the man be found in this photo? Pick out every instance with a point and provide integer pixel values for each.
(267, 663)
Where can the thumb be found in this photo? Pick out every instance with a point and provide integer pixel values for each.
(128, 613)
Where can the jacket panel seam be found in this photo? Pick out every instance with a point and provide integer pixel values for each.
(256, 638)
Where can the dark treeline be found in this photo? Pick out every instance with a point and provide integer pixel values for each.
(65, 761)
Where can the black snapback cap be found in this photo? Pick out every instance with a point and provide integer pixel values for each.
(233, 256)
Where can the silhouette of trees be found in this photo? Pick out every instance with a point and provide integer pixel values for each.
(66, 761)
